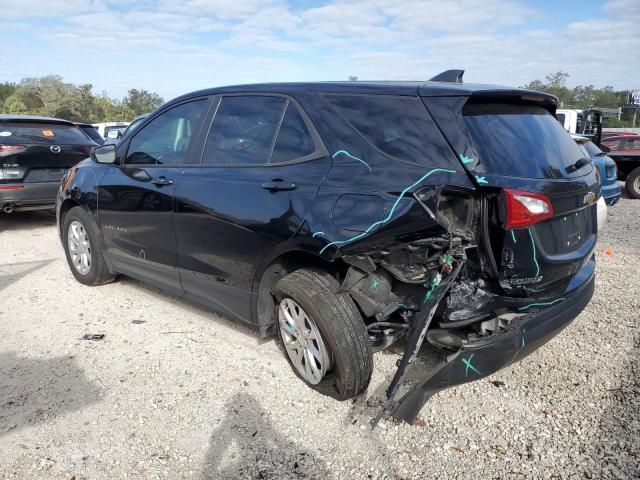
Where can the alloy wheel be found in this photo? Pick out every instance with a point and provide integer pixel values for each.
(79, 247)
(303, 342)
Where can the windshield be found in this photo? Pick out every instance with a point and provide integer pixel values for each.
(521, 140)
(41, 133)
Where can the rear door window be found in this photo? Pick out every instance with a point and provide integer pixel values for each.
(398, 126)
(41, 133)
(243, 130)
(294, 140)
(521, 141)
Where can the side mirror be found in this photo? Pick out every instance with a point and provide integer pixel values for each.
(104, 154)
(604, 148)
(113, 134)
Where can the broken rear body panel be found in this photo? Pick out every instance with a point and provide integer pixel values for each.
(428, 254)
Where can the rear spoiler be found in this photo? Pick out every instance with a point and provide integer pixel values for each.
(453, 76)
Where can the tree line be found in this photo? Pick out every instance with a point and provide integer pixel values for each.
(50, 96)
(585, 96)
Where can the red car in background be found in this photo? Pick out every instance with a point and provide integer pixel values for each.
(624, 148)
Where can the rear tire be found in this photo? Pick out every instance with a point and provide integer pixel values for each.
(632, 183)
(341, 327)
(84, 250)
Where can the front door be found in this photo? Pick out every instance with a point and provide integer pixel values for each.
(136, 197)
(261, 167)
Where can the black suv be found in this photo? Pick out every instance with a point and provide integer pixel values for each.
(346, 216)
(34, 154)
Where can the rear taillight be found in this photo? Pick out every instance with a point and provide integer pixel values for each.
(525, 208)
(11, 149)
(11, 187)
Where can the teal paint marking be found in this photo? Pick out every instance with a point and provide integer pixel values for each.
(434, 283)
(533, 249)
(391, 212)
(481, 180)
(344, 152)
(467, 362)
(428, 294)
(317, 233)
(513, 235)
(523, 342)
(542, 304)
(464, 159)
(375, 284)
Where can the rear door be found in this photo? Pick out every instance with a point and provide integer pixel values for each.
(39, 152)
(516, 150)
(261, 166)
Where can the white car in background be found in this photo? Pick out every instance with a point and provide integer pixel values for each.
(105, 127)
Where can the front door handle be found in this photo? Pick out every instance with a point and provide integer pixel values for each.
(278, 185)
(161, 181)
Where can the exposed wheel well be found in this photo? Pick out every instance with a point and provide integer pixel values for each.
(281, 266)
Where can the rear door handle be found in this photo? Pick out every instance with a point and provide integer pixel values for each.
(161, 181)
(278, 185)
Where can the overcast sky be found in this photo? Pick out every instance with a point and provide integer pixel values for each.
(176, 46)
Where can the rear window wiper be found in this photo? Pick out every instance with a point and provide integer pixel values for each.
(582, 162)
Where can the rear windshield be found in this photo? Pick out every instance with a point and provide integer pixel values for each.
(521, 140)
(41, 133)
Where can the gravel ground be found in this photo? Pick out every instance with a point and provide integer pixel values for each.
(174, 391)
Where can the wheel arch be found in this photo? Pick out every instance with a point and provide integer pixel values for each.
(264, 307)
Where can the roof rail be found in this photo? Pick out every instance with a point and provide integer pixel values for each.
(454, 76)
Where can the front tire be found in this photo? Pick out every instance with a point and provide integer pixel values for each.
(632, 183)
(323, 335)
(83, 248)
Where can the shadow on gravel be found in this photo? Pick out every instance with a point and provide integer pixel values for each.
(27, 220)
(11, 273)
(34, 390)
(245, 445)
(193, 307)
(620, 424)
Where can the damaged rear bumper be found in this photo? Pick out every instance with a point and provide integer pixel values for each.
(478, 359)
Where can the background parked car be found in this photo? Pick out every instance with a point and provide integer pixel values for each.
(135, 122)
(102, 126)
(611, 191)
(35, 153)
(114, 132)
(624, 149)
(91, 132)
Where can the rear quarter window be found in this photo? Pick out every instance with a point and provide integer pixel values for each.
(398, 126)
(41, 133)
